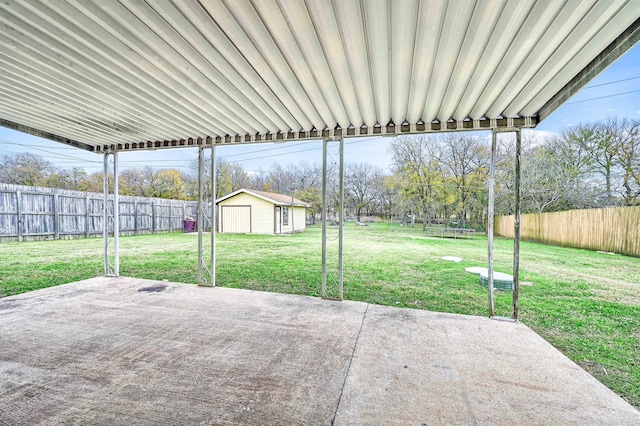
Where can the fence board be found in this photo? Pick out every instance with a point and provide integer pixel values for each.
(612, 229)
(32, 213)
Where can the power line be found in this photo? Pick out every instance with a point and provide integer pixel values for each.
(52, 153)
(38, 146)
(269, 149)
(612, 82)
(602, 97)
(132, 162)
(298, 151)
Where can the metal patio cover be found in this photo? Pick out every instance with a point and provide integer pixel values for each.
(136, 74)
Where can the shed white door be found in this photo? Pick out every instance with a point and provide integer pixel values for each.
(278, 217)
(236, 219)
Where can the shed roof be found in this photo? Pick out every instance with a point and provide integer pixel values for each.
(272, 197)
(136, 75)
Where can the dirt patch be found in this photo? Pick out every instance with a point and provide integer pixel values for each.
(593, 368)
(619, 292)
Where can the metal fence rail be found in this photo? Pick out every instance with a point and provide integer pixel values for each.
(32, 213)
(449, 232)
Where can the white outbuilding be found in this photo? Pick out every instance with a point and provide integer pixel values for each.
(249, 211)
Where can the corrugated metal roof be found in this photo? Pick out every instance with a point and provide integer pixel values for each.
(280, 199)
(159, 73)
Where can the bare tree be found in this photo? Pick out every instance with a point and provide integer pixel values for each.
(25, 169)
(466, 161)
(599, 142)
(230, 177)
(544, 181)
(150, 182)
(416, 162)
(362, 183)
(628, 159)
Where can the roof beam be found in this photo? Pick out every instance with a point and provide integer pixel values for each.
(39, 133)
(388, 130)
(617, 48)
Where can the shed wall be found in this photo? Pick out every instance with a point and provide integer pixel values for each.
(262, 213)
(299, 220)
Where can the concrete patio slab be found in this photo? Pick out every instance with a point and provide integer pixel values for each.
(132, 351)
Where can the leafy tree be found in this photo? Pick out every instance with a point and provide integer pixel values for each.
(66, 179)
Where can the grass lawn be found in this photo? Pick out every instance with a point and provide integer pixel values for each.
(586, 304)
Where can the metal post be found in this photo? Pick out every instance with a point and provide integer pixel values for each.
(200, 221)
(324, 218)
(214, 220)
(490, 219)
(516, 222)
(116, 217)
(109, 269)
(105, 213)
(326, 155)
(341, 219)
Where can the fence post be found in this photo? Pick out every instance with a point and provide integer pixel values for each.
(87, 228)
(56, 217)
(153, 216)
(135, 216)
(19, 214)
(170, 215)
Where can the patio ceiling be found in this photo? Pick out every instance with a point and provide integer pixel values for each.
(168, 73)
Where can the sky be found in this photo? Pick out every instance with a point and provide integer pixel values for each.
(615, 92)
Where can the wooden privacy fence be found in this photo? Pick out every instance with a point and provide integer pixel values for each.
(612, 229)
(31, 213)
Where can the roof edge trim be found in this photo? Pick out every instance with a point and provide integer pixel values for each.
(46, 135)
(388, 130)
(299, 203)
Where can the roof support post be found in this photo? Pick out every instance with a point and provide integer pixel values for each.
(111, 269)
(199, 218)
(490, 219)
(213, 216)
(326, 157)
(341, 221)
(516, 225)
(203, 280)
(324, 218)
